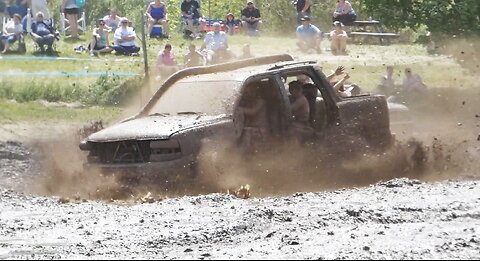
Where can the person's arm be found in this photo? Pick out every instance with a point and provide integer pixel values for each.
(147, 12)
(308, 3)
(166, 12)
(244, 15)
(347, 8)
(339, 71)
(339, 84)
(131, 36)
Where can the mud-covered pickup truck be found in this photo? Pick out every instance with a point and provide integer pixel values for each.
(198, 106)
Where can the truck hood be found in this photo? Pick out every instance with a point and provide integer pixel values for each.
(153, 127)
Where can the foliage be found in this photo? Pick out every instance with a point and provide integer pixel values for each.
(440, 16)
(106, 91)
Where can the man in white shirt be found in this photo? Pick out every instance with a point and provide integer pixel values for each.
(216, 44)
(125, 39)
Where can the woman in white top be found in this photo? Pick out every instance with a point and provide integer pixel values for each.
(12, 32)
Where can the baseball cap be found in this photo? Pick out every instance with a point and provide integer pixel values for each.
(337, 23)
(305, 18)
(249, 1)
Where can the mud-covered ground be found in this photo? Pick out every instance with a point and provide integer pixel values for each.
(400, 219)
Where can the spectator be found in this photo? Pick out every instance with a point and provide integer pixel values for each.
(166, 62)
(193, 57)
(387, 83)
(12, 32)
(251, 18)
(216, 45)
(192, 16)
(308, 36)
(43, 33)
(41, 6)
(112, 20)
(413, 83)
(230, 24)
(344, 12)
(303, 9)
(100, 42)
(70, 8)
(125, 39)
(157, 14)
(338, 39)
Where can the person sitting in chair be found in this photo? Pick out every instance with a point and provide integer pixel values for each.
(43, 33)
(125, 39)
(216, 45)
(12, 32)
(192, 16)
(157, 14)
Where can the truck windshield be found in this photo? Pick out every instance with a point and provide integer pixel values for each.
(194, 96)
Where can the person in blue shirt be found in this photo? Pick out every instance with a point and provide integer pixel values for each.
(157, 13)
(43, 33)
(308, 36)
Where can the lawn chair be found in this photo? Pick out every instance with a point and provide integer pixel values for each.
(20, 43)
(64, 25)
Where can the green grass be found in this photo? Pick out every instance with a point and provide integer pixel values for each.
(12, 112)
(365, 64)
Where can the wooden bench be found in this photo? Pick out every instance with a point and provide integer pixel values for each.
(383, 37)
(371, 28)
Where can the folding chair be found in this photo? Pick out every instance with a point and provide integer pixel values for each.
(64, 25)
(21, 47)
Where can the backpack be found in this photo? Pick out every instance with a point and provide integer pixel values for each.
(80, 3)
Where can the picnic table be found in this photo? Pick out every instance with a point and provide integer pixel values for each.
(371, 28)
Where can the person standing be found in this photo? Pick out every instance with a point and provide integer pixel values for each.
(70, 8)
(303, 9)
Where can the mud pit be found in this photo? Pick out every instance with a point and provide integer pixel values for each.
(48, 210)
